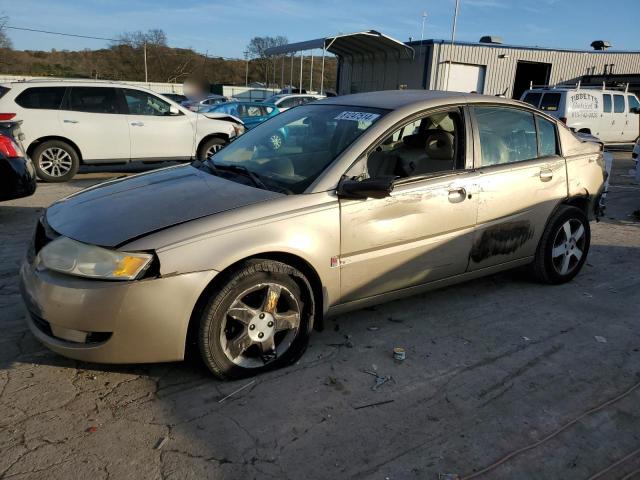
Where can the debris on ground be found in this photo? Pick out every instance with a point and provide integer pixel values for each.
(374, 404)
(399, 354)
(600, 339)
(237, 391)
(347, 343)
(380, 379)
(92, 429)
(331, 381)
(587, 294)
(373, 328)
(526, 339)
(448, 476)
(395, 320)
(161, 443)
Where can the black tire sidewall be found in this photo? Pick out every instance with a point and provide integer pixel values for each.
(207, 144)
(44, 176)
(544, 257)
(211, 321)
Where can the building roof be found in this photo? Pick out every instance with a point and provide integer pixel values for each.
(431, 41)
(366, 42)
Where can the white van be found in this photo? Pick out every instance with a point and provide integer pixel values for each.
(610, 115)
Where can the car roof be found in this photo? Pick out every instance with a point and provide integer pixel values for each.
(395, 99)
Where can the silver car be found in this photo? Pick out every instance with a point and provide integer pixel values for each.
(372, 197)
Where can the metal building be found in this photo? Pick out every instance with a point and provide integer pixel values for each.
(487, 67)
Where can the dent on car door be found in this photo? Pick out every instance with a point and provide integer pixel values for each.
(423, 231)
(522, 178)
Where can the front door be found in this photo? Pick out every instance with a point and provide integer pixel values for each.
(155, 133)
(423, 231)
(92, 118)
(521, 179)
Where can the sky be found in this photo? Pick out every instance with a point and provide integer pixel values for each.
(224, 28)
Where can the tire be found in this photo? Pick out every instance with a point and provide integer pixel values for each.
(55, 161)
(558, 258)
(246, 342)
(210, 146)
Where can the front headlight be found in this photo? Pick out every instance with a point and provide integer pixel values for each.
(75, 258)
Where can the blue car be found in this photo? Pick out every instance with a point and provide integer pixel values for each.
(252, 114)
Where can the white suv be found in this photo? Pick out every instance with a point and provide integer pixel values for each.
(68, 123)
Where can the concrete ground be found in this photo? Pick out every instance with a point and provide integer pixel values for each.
(543, 380)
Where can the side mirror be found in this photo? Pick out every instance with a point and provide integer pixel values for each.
(173, 110)
(635, 110)
(380, 187)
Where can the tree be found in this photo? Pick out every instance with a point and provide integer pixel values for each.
(257, 50)
(5, 41)
(155, 37)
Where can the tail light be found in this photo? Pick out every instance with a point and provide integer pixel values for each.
(8, 147)
(563, 120)
(7, 116)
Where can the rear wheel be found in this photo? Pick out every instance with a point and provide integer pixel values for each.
(210, 147)
(563, 247)
(55, 161)
(256, 322)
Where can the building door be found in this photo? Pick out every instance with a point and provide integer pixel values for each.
(527, 73)
(462, 77)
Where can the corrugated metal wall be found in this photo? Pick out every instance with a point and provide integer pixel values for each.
(360, 74)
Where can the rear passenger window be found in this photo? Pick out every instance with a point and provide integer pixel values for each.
(506, 135)
(618, 104)
(547, 139)
(532, 98)
(550, 102)
(48, 98)
(606, 103)
(93, 100)
(633, 102)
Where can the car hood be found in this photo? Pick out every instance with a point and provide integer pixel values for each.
(115, 212)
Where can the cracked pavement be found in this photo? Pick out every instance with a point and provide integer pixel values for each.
(493, 366)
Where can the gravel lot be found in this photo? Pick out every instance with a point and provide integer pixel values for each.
(493, 367)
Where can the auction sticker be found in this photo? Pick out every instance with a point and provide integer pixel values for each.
(358, 116)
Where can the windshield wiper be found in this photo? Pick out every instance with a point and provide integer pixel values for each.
(241, 170)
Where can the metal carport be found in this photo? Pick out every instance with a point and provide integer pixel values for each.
(368, 44)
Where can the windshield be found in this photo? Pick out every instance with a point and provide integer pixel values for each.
(289, 151)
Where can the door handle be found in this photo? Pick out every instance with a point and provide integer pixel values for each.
(546, 175)
(137, 124)
(70, 121)
(457, 195)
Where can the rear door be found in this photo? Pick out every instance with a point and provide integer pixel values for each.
(632, 129)
(93, 119)
(155, 132)
(522, 177)
(618, 125)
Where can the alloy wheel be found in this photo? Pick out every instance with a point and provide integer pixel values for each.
(260, 325)
(55, 161)
(568, 246)
(213, 149)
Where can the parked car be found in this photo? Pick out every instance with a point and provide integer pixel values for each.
(635, 155)
(251, 113)
(17, 175)
(202, 104)
(175, 97)
(376, 196)
(610, 115)
(284, 102)
(83, 122)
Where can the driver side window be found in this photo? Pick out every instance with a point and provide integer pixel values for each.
(429, 145)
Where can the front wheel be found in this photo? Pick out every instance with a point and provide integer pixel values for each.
(257, 321)
(563, 247)
(210, 147)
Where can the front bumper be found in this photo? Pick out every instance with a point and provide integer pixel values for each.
(111, 322)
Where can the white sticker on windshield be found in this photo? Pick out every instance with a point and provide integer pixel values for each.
(358, 116)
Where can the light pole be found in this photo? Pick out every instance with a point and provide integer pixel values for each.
(146, 76)
(453, 38)
(246, 74)
(424, 18)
